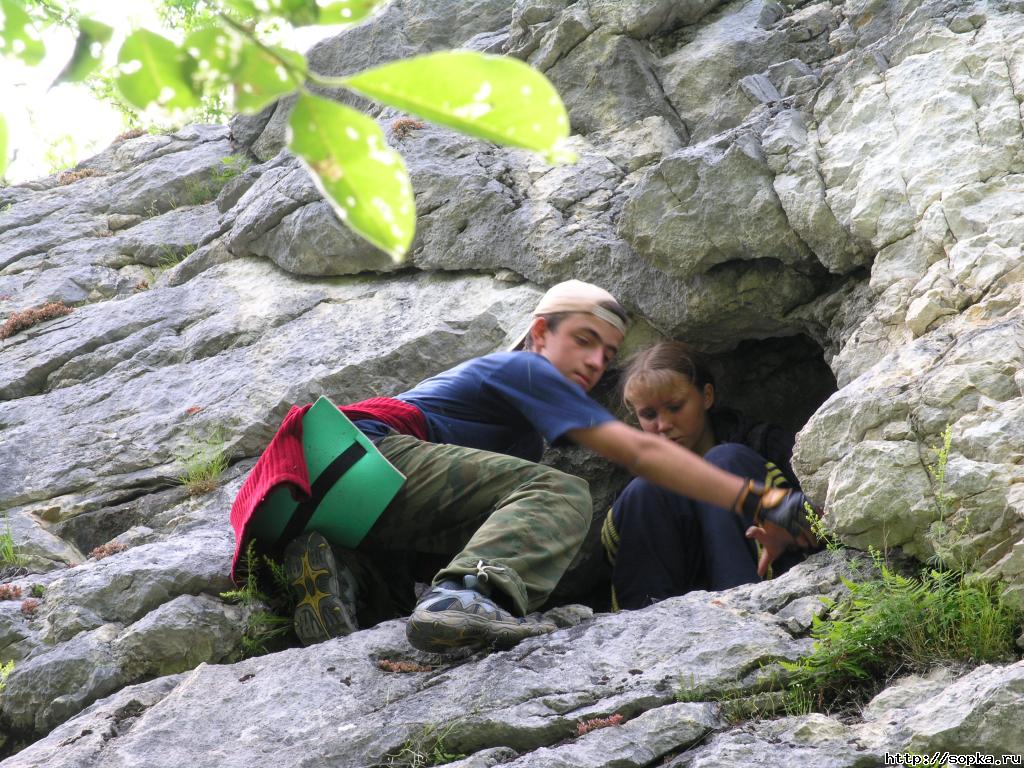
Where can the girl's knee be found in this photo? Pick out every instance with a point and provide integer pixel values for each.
(644, 504)
(643, 494)
(734, 457)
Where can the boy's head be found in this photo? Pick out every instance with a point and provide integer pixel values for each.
(578, 327)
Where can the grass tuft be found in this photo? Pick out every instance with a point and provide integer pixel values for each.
(9, 555)
(230, 167)
(204, 464)
(427, 748)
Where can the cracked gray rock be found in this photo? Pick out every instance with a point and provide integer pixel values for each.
(748, 173)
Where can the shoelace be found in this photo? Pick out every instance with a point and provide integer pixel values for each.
(476, 581)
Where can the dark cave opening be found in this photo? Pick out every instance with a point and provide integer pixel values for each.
(779, 380)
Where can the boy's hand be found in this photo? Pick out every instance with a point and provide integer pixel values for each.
(773, 540)
(780, 521)
(783, 507)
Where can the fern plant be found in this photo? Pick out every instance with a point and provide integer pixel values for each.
(895, 624)
(267, 617)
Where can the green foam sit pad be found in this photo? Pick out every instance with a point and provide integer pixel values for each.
(343, 508)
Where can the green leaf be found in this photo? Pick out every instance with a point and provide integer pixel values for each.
(88, 53)
(153, 72)
(494, 97)
(261, 78)
(349, 11)
(299, 13)
(18, 35)
(302, 13)
(363, 179)
(3, 146)
(215, 53)
(244, 8)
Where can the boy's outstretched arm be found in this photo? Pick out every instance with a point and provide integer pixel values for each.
(680, 470)
(661, 461)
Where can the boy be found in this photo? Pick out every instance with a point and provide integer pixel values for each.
(467, 441)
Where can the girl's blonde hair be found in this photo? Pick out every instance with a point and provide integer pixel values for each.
(655, 369)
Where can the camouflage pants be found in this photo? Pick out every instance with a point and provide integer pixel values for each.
(468, 505)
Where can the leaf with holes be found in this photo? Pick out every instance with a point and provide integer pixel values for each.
(494, 97)
(261, 77)
(349, 11)
(88, 53)
(362, 178)
(18, 35)
(153, 72)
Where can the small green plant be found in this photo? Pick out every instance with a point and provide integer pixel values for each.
(204, 463)
(171, 257)
(798, 700)
(9, 554)
(261, 629)
(937, 472)
(427, 748)
(821, 533)
(38, 591)
(249, 594)
(946, 536)
(739, 703)
(198, 191)
(895, 624)
(230, 167)
(268, 619)
(61, 154)
(5, 672)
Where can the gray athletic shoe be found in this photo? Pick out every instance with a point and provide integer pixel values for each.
(451, 616)
(324, 590)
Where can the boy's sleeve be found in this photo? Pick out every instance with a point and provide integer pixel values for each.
(551, 403)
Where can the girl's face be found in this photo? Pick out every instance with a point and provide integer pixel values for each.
(678, 411)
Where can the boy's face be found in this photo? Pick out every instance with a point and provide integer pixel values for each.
(580, 347)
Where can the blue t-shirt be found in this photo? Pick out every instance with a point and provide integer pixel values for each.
(507, 402)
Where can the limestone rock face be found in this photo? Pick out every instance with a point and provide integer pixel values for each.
(827, 197)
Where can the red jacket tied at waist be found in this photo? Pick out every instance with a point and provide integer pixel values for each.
(284, 462)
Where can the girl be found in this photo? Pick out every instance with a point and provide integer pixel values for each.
(659, 543)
